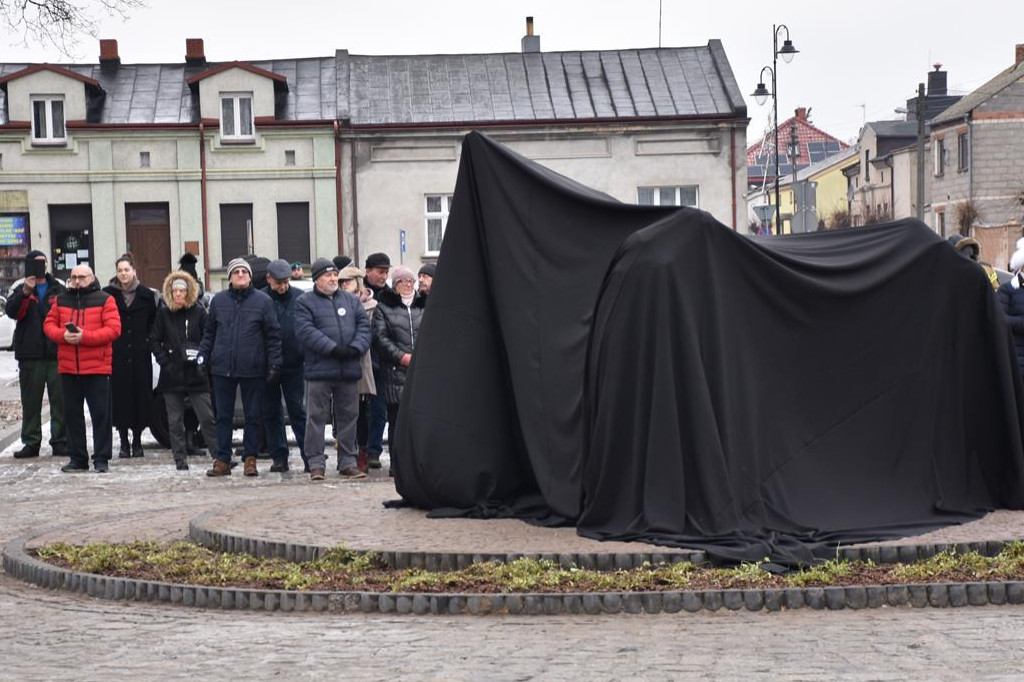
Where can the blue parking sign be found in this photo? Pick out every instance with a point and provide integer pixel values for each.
(401, 240)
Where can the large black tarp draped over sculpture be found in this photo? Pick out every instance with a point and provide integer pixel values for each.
(650, 374)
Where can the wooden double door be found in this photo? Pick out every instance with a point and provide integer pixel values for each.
(148, 228)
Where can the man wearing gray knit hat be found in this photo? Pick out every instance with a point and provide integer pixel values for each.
(241, 349)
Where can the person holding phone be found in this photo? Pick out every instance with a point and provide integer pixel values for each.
(28, 304)
(84, 323)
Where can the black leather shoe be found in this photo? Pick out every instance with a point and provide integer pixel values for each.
(181, 464)
(27, 451)
(74, 467)
(137, 450)
(125, 452)
(101, 467)
(278, 467)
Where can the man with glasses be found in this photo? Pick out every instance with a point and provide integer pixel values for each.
(84, 323)
(241, 349)
(28, 305)
(335, 332)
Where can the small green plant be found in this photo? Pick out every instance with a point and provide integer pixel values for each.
(341, 568)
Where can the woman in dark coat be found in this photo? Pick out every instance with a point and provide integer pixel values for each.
(396, 326)
(132, 371)
(175, 341)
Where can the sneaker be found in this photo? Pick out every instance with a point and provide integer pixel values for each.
(316, 475)
(278, 467)
(27, 451)
(181, 464)
(101, 466)
(74, 467)
(351, 473)
(250, 466)
(220, 468)
(373, 460)
(60, 450)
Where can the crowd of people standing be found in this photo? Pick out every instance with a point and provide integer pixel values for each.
(336, 354)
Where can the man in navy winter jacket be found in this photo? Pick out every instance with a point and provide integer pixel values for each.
(241, 348)
(335, 332)
(292, 387)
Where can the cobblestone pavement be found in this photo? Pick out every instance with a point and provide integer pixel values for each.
(59, 636)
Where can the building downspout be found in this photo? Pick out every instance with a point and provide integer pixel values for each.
(337, 187)
(732, 172)
(355, 202)
(202, 200)
(970, 158)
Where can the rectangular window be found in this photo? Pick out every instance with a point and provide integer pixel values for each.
(293, 231)
(236, 122)
(682, 195)
(143, 159)
(939, 157)
(289, 158)
(438, 206)
(963, 152)
(867, 165)
(48, 120)
(940, 218)
(235, 231)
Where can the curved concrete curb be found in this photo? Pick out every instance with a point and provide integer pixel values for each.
(19, 564)
(200, 533)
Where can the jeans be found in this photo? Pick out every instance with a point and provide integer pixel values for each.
(175, 403)
(94, 390)
(35, 376)
(345, 397)
(293, 389)
(224, 389)
(376, 418)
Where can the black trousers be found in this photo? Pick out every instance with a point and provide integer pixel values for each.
(94, 390)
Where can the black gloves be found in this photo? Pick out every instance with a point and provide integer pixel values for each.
(345, 352)
(273, 377)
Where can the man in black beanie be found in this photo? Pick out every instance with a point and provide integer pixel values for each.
(375, 413)
(37, 357)
(188, 264)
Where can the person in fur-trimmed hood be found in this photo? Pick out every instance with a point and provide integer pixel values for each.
(1011, 300)
(177, 333)
(969, 248)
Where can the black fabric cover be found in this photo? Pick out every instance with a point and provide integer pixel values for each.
(650, 374)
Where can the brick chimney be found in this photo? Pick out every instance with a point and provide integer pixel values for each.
(801, 113)
(531, 43)
(194, 52)
(108, 53)
(1018, 56)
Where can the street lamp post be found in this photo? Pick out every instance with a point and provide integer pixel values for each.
(761, 95)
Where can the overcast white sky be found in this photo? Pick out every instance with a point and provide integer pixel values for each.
(858, 60)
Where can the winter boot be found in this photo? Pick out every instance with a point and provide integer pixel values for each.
(126, 448)
(250, 466)
(361, 462)
(220, 468)
(137, 445)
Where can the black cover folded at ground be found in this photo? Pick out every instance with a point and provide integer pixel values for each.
(649, 374)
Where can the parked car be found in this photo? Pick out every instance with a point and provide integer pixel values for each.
(7, 326)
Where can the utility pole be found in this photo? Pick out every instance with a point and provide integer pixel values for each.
(920, 150)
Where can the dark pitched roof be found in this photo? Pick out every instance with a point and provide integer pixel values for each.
(678, 82)
(278, 79)
(978, 97)
(894, 128)
(35, 68)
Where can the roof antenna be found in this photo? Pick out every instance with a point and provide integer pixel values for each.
(659, 23)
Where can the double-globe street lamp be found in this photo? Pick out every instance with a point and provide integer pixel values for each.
(761, 94)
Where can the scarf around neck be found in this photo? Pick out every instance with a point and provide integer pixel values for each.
(127, 292)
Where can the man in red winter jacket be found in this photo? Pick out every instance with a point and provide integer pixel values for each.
(84, 323)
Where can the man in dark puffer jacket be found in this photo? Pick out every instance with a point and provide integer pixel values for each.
(84, 323)
(28, 305)
(335, 332)
(241, 348)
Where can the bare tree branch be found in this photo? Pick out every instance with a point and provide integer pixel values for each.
(60, 23)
